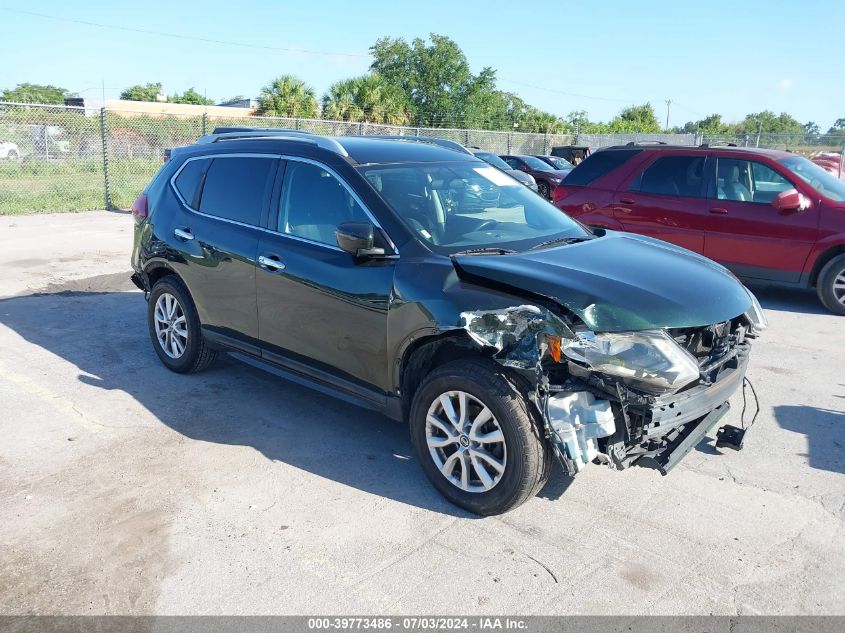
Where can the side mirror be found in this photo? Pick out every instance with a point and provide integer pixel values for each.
(357, 238)
(790, 200)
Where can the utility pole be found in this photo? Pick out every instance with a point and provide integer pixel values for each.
(668, 103)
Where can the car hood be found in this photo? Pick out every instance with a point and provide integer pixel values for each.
(618, 282)
(521, 176)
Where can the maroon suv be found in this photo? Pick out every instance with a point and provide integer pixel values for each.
(769, 216)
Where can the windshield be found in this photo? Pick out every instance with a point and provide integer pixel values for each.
(560, 163)
(825, 183)
(494, 160)
(535, 163)
(459, 206)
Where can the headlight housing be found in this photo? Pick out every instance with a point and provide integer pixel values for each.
(755, 314)
(650, 360)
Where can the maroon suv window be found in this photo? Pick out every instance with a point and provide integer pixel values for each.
(674, 175)
(598, 164)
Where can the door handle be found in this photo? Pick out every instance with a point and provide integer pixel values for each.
(719, 210)
(183, 234)
(271, 263)
(627, 201)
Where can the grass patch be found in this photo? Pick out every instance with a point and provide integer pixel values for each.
(71, 185)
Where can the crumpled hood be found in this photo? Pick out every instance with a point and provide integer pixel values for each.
(619, 282)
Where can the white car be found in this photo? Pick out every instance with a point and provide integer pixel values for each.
(9, 151)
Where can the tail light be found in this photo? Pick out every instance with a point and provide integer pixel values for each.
(139, 207)
(559, 194)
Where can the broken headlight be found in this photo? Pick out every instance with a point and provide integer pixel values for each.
(650, 360)
(755, 315)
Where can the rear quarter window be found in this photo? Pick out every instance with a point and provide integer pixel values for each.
(188, 180)
(597, 165)
(237, 188)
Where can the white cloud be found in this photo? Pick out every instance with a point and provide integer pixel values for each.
(785, 84)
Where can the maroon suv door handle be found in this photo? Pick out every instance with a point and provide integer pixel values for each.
(719, 210)
(627, 201)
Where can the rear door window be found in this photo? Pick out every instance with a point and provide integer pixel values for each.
(237, 188)
(597, 165)
(673, 176)
(188, 180)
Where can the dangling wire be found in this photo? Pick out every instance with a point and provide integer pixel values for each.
(746, 382)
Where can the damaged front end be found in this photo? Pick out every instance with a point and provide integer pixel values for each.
(620, 398)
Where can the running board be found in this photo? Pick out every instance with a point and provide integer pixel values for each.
(666, 459)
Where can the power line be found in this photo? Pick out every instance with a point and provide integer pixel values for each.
(180, 36)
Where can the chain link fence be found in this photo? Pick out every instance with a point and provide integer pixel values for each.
(63, 158)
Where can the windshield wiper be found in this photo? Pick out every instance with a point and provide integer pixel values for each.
(489, 250)
(560, 240)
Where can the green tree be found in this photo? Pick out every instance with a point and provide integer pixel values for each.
(369, 98)
(435, 78)
(288, 96)
(138, 92)
(838, 127)
(35, 93)
(190, 96)
(639, 118)
(544, 122)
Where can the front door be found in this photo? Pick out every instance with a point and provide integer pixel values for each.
(749, 235)
(320, 311)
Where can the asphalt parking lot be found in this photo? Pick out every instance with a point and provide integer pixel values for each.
(127, 489)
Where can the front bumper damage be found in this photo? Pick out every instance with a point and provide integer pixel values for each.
(594, 418)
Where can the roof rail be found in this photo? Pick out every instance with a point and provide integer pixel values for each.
(245, 128)
(236, 133)
(636, 143)
(431, 140)
(717, 144)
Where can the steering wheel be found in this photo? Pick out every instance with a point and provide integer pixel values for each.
(487, 224)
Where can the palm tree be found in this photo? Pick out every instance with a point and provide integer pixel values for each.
(339, 102)
(287, 96)
(369, 99)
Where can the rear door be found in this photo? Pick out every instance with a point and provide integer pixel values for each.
(749, 235)
(224, 199)
(666, 200)
(321, 312)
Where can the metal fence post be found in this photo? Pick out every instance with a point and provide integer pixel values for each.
(105, 137)
(509, 142)
(545, 143)
(204, 123)
(842, 161)
(361, 129)
(296, 124)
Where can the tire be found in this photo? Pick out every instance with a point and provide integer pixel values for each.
(831, 285)
(543, 189)
(523, 452)
(196, 354)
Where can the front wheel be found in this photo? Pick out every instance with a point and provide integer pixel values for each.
(543, 189)
(476, 439)
(831, 285)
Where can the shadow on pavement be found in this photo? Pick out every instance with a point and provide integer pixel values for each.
(825, 432)
(789, 299)
(104, 334)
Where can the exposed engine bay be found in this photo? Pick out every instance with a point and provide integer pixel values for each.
(620, 398)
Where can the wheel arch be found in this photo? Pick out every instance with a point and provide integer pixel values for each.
(823, 259)
(422, 355)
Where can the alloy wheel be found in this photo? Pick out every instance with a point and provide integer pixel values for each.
(465, 441)
(839, 287)
(171, 326)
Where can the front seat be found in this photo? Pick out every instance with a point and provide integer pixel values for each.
(734, 189)
(316, 205)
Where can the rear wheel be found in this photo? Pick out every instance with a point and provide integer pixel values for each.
(175, 328)
(475, 438)
(543, 189)
(831, 285)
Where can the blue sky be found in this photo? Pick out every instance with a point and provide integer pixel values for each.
(717, 56)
